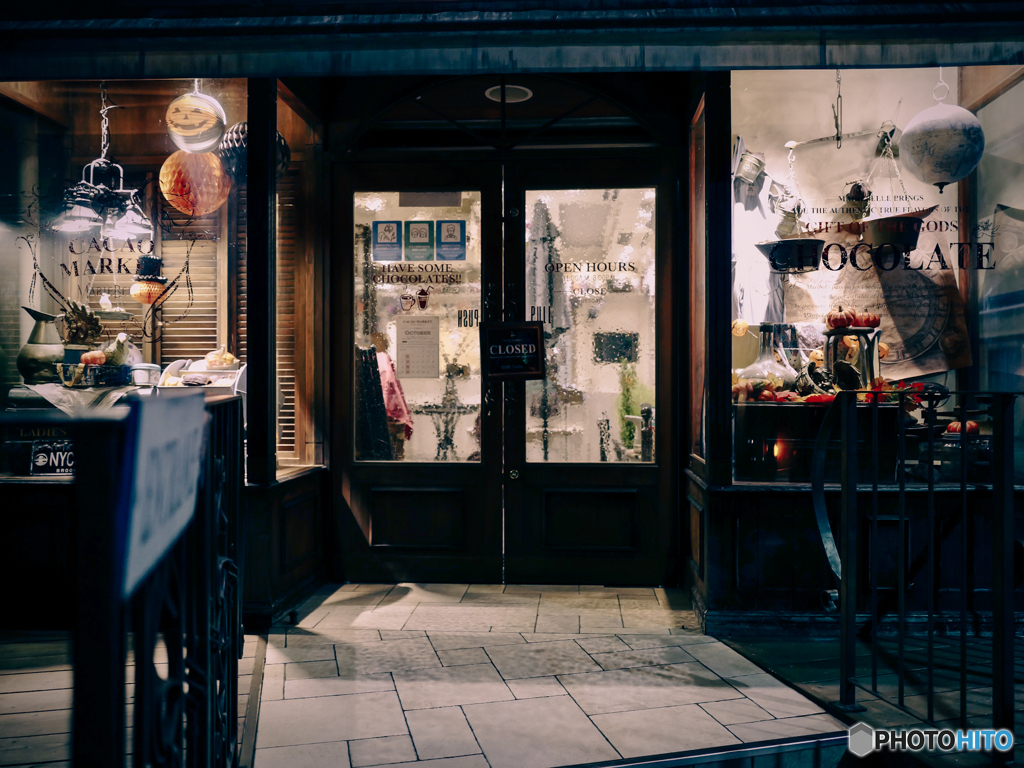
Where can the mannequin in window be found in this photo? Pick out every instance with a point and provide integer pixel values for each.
(399, 415)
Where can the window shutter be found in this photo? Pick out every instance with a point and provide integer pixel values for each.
(190, 332)
(288, 269)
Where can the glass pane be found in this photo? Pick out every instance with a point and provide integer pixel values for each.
(590, 277)
(417, 312)
(998, 232)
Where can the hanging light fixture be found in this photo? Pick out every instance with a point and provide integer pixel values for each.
(100, 198)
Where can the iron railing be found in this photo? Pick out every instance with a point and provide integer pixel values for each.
(954, 488)
(190, 602)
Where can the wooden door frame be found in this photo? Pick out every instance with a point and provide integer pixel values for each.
(658, 562)
(353, 482)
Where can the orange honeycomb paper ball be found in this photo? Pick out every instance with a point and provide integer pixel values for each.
(145, 291)
(195, 184)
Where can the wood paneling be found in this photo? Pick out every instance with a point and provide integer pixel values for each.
(591, 520)
(434, 518)
(284, 543)
(979, 85)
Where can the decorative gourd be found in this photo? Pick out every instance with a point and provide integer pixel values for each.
(866, 320)
(840, 318)
(883, 350)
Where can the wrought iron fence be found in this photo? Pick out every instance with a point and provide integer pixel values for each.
(189, 605)
(945, 595)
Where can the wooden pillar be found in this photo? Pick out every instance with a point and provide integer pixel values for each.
(718, 271)
(262, 279)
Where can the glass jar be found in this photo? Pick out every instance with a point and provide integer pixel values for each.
(766, 367)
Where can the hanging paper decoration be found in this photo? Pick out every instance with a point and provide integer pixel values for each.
(194, 184)
(195, 122)
(234, 154)
(944, 143)
(149, 283)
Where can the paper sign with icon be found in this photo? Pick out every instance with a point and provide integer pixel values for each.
(451, 241)
(387, 241)
(419, 241)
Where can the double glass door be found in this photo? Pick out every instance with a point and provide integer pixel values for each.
(451, 477)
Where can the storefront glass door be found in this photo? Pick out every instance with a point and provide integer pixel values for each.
(452, 478)
(584, 480)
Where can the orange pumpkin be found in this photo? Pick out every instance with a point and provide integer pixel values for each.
(883, 350)
(866, 320)
(840, 318)
(954, 428)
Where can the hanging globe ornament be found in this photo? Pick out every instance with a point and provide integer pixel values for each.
(195, 122)
(942, 144)
(234, 153)
(194, 184)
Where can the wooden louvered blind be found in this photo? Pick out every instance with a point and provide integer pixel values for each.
(190, 332)
(239, 250)
(292, 274)
(289, 271)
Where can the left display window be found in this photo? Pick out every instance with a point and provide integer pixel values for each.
(122, 217)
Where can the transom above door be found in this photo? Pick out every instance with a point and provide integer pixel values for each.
(451, 476)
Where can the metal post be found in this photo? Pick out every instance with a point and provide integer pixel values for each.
(848, 555)
(964, 560)
(932, 535)
(1002, 565)
(873, 551)
(99, 648)
(901, 558)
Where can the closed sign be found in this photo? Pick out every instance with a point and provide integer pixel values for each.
(512, 351)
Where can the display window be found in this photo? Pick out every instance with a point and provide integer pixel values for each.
(854, 247)
(123, 247)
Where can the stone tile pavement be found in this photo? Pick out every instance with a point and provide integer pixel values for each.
(518, 676)
(36, 688)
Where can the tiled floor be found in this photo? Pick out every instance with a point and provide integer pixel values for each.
(460, 676)
(814, 668)
(36, 682)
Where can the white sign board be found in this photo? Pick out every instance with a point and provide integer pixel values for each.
(419, 345)
(165, 483)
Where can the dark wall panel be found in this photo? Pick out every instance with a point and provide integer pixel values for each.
(589, 520)
(418, 517)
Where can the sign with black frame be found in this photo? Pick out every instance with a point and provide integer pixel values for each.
(512, 351)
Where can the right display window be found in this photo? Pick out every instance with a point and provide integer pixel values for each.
(847, 251)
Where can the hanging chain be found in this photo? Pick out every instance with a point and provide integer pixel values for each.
(792, 176)
(941, 84)
(837, 110)
(104, 123)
